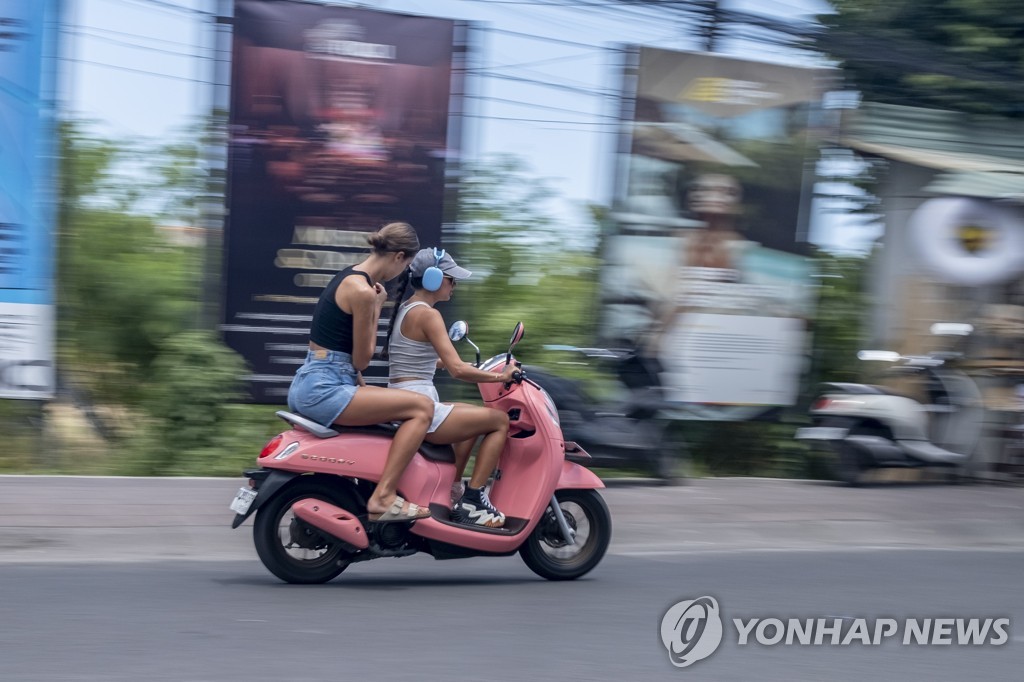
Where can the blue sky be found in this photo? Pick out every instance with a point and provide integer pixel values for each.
(135, 67)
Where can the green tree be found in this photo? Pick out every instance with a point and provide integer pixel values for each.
(964, 55)
(526, 267)
(122, 287)
(839, 319)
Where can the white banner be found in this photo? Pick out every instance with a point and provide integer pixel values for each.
(734, 359)
(26, 351)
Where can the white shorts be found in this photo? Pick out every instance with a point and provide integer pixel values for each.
(426, 387)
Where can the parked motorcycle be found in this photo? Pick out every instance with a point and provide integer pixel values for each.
(869, 426)
(309, 494)
(632, 431)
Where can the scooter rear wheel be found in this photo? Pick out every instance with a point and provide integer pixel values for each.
(546, 552)
(291, 549)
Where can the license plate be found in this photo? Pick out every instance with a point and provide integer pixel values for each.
(243, 500)
(821, 433)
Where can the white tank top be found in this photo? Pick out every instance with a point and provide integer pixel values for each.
(408, 358)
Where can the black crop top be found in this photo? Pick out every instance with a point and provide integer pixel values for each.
(332, 326)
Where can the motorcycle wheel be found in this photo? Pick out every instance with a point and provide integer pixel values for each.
(546, 552)
(294, 551)
(848, 466)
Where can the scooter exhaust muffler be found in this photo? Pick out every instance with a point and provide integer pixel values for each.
(334, 521)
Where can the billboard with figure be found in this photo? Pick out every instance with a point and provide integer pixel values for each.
(704, 268)
(339, 124)
(27, 95)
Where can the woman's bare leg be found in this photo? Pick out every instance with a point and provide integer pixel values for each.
(469, 421)
(463, 449)
(373, 405)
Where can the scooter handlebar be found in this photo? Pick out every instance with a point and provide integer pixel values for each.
(517, 378)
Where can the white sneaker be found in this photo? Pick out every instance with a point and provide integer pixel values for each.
(458, 490)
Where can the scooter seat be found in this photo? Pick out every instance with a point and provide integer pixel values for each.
(436, 453)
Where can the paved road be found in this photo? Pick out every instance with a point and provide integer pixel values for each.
(124, 519)
(119, 580)
(481, 619)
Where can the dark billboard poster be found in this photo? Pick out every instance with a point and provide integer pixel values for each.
(338, 124)
(703, 267)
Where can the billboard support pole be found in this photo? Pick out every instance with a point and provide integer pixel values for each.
(212, 205)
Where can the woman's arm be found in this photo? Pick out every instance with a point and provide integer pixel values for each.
(366, 304)
(432, 325)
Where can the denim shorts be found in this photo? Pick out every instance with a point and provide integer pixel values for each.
(323, 387)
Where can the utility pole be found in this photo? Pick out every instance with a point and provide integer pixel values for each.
(710, 25)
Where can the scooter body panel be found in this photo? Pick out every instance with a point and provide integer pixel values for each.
(334, 520)
(362, 456)
(530, 472)
(574, 476)
(906, 418)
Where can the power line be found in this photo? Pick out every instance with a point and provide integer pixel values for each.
(559, 41)
(133, 35)
(140, 71)
(539, 120)
(538, 62)
(167, 6)
(533, 105)
(115, 41)
(594, 92)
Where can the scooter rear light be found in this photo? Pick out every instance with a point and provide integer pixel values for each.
(821, 404)
(271, 446)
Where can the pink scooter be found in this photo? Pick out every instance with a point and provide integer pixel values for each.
(310, 493)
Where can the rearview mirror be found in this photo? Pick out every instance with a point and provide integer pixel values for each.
(458, 330)
(517, 335)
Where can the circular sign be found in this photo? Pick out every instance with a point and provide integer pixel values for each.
(968, 241)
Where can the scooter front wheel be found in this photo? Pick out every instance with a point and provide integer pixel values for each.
(548, 554)
(293, 550)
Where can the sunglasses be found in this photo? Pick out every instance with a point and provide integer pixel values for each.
(451, 280)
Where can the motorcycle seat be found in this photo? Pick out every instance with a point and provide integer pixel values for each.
(436, 453)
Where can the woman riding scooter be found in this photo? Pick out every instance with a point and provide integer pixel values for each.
(417, 344)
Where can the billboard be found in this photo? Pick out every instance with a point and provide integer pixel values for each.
(338, 124)
(27, 79)
(704, 267)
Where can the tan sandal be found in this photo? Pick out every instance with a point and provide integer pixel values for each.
(400, 511)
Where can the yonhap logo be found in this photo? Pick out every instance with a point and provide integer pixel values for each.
(691, 630)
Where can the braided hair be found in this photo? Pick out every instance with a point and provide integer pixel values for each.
(384, 350)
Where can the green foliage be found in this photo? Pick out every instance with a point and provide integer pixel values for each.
(842, 307)
(24, 446)
(193, 381)
(525, 267)
(123, 288)
(965, 55)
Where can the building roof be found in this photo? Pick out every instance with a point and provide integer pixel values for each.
(984, 156)
(992, 185)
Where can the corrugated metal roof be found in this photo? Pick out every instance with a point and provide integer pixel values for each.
(985, 155)
(1005, 186)
(944, 140)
